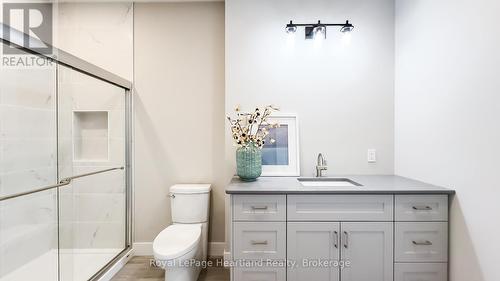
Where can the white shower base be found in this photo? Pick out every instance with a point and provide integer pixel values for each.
(76, 265)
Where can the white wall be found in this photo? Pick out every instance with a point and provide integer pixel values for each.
(447, 119)
(179, 80)
(343, 93)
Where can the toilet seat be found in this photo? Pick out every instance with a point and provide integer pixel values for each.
(176, 240)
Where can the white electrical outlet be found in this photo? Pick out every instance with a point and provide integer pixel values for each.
(372, 155)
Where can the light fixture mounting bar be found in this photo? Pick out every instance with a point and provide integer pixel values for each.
(325, 24)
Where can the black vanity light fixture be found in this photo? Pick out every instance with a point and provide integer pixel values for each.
(313, 30)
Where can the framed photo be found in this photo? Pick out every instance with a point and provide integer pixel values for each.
(281, 158)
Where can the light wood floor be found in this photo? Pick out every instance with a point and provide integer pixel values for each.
(139, 269)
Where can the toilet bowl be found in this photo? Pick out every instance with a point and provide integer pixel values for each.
(175, 248)
(181, 247)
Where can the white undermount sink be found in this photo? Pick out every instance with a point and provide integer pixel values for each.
(327, 182)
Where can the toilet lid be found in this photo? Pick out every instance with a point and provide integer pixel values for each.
(176, 240)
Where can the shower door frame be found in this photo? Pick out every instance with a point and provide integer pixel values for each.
(60, 57)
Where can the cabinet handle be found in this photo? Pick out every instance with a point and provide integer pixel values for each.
(420, 243)
(346, 239)
(259, 208)
(336, 239)
(422, 208)
(264, 242)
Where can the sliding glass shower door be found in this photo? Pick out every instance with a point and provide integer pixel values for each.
(28, 160)
(92, 138)
(65, 169)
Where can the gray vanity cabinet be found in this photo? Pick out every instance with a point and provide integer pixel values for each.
(379, 237)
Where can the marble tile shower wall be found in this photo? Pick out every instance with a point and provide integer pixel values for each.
(93, 208)
(27, 161)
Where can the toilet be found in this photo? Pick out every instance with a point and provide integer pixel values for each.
(178, 247)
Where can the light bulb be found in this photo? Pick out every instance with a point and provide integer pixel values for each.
(346, 38)
(319, 32)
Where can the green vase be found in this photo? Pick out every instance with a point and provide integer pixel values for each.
(249, 162)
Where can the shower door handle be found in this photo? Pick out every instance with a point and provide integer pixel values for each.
(63, 182)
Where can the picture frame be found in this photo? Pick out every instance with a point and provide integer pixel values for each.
(281, 158)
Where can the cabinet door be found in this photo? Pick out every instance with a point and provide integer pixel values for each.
(308, 245)
(367, 250)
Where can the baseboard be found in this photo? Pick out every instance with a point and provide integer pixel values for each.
(143, 248)
(227, 255)
(215, 249)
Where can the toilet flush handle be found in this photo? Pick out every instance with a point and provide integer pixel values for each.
(171, 195)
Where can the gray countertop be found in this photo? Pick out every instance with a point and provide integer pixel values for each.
(383, 184)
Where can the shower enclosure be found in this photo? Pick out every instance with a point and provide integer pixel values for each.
(65, 166)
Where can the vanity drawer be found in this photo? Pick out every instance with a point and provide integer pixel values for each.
(259, 240)
(421, 207)
(340, 208)
(259, 274)
(421, 272)
(421, 242)
(259, 208)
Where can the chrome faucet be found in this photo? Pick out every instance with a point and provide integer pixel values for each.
(321, 166)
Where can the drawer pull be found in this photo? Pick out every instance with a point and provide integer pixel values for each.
(259, 208)
(346, 239)
(264, 242)
(422, 208)
(422, 243)
(335, 239)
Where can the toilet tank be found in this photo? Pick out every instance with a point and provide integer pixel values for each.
(190, 203)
